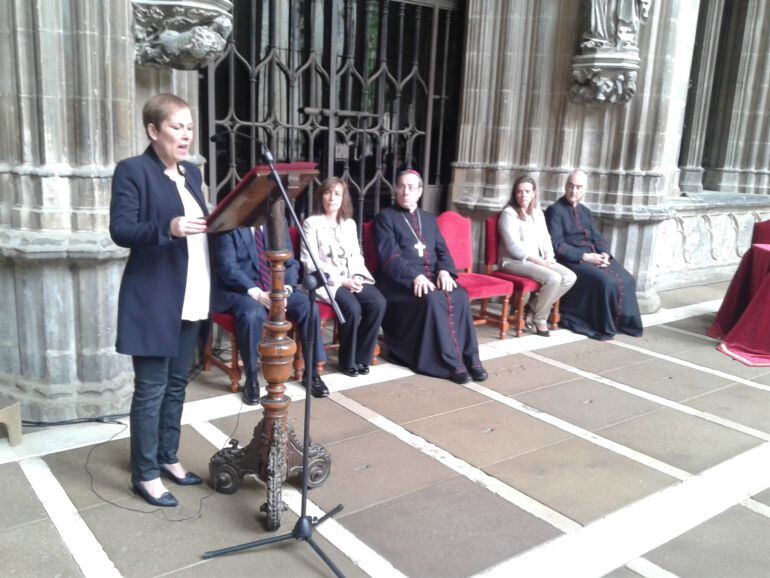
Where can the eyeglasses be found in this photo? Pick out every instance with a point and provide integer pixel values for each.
(410, 188)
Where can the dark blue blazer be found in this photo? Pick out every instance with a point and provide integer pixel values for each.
(235, 266)
(144, 201)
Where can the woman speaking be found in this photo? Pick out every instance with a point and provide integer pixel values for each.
(157, 210)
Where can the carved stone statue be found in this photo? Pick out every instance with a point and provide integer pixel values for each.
(605, 69)
(614, 24)
(182, 35)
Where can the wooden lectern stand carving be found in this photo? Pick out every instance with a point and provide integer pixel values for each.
(274, 452)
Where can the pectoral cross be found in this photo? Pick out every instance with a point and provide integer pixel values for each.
(420, 248)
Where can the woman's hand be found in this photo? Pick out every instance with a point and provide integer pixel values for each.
(445, 281)
(422, 286)
(353, 285)
(184, 227)
(541, 262)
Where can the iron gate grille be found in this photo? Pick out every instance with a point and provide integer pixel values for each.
(364, 88)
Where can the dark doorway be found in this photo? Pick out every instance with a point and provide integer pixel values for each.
(363, 88)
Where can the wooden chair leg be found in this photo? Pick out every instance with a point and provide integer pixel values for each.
(207, 353)
(504, 318)
(518, 303)
(235, 370)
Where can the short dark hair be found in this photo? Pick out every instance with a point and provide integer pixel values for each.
(329, 184)
(160, 107)
(410, 172)
(513, 203)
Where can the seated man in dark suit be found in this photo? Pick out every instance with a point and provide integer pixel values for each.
(241, 287)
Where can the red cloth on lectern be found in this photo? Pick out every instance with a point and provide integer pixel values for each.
(744, 317)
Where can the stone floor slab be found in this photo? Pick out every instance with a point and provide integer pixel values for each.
(713, 359)
(689, 295)
(375, 468)
(450, 529)
(164, 541)
(734, 543)
(763, 497)
(329, 423)
(33, 550)
(698, 324)
(681, 440)
(594, 356)
(486, 434)
(579, 479)
(586, 403)
(415, 397)
(662, 340)
(667, 379)
(739, 403)
(516, 373)
(19, 505)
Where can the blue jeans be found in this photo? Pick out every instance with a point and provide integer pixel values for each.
(156, 408)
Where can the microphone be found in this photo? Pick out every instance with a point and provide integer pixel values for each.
(222, 136)
(264, 151)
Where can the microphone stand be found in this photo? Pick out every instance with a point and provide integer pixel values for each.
(303, 528)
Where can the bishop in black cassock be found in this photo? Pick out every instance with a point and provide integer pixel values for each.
(427, 325)
(603, 300)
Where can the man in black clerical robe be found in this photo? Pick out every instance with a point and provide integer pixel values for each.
(427, 325)
(603, 300)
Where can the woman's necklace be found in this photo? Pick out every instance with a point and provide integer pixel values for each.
(419, 244)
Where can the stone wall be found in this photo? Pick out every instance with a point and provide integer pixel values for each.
(70, 110)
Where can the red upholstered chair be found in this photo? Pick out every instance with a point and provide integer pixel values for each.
(521, 285)
(226, 323)
(369, 247)
(761, 233)
(456, 230)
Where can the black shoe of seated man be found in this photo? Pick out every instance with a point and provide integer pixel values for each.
(460, 378)
(362, 368)
(190, 479)
(317, 386)
(251, 393)
(167, 500)
(478, 373)
(350, 371)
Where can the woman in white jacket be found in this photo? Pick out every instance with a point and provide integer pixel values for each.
(525, 250)
(331, 233)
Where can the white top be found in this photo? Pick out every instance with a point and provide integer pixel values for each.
(198, 285)
(335, 247)
(522, 239)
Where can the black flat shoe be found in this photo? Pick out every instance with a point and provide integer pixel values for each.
(190, 479)
(317, 386)
(167, 500)
(362, 368)
(460, 378)
(478, 374)
(350, 371)
(250, 394)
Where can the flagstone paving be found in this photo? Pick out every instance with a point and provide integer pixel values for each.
(637, 457)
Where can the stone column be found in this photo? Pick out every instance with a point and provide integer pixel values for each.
(70, 110)
(517, 117)
(699, 99)
(737, 159)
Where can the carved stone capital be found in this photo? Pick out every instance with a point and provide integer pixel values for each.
(605, 69)
(604, 78)
(184, 34)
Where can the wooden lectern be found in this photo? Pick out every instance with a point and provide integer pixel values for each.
(273, 452)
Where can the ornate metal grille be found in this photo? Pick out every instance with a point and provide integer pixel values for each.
(364, 88)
